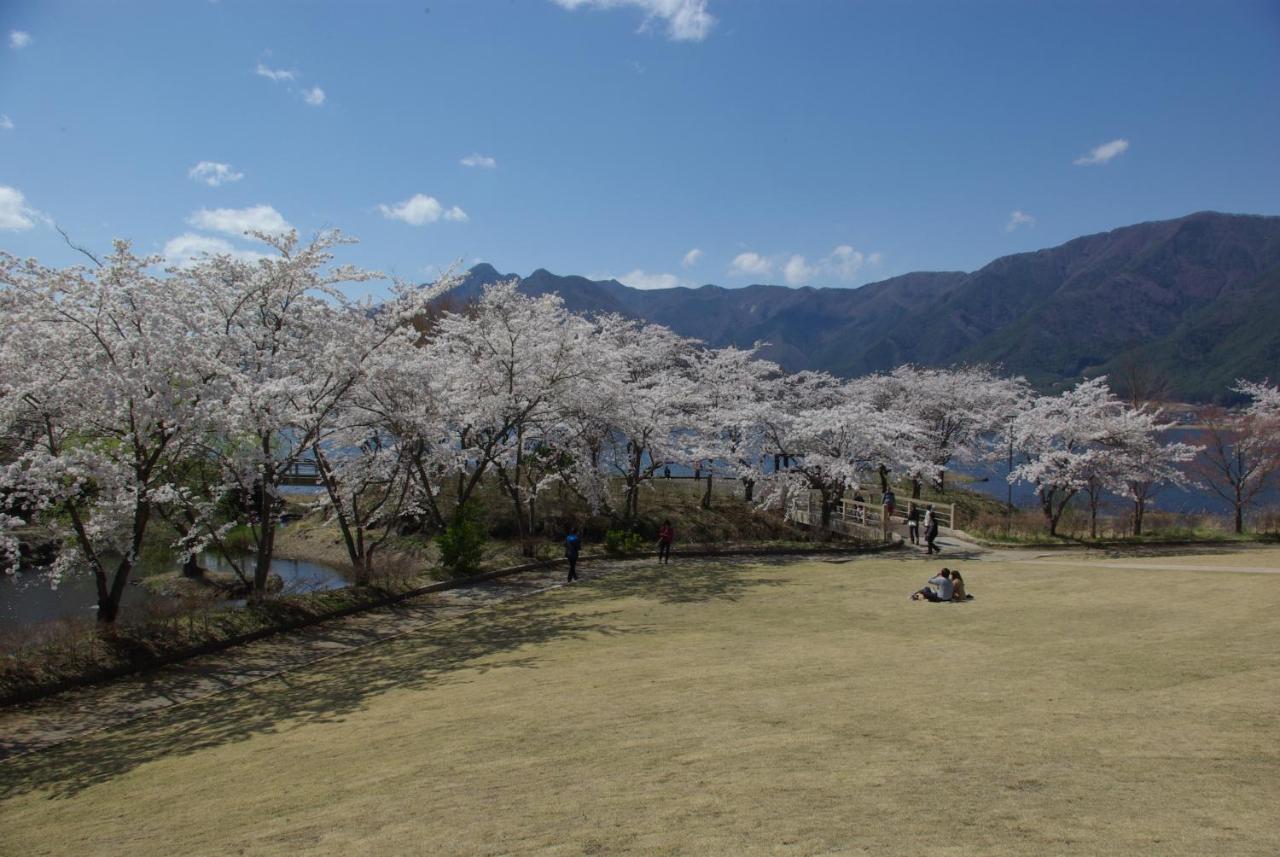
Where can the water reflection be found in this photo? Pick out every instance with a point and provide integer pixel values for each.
(27, 599)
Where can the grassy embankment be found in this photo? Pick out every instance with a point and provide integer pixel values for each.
(729, 708)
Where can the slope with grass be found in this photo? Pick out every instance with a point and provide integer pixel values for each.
(718, 707)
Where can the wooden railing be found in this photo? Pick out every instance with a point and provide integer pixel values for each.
(944, 512)
(865, 520)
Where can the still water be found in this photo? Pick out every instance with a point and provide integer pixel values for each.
(27, 598)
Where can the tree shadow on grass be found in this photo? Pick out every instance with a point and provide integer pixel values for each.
(688, 582)
(326, 692)
(330, 690)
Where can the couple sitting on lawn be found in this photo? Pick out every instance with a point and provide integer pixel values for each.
(950, 588)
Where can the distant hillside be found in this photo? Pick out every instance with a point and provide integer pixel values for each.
(1195, 299)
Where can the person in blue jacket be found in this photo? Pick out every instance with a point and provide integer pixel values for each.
(572, 544)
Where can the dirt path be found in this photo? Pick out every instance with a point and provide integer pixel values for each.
(1154, 566)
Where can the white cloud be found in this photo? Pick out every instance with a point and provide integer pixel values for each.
(639, 279)
(15, 215)
(691, 258)
(797, 271)
(276, 74)
(313, 96)
(189, 246)
(239, 221)
(686, 20)
(750, 264)
(19, 39)
(213, 173)
(475, 159)
(420, 209)
(1019, 218)
(1102, 154)
(843, 264)
(6, 124)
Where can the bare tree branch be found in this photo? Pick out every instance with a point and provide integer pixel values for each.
(74, 246)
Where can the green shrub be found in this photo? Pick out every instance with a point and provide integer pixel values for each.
(462, 542)
(618, 542)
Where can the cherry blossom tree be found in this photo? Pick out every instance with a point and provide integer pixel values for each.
(956, 410)
(510, 363)
(1241, 449)
(834, 436)
(1058, 437)
(728, 384)
(107, 383)
(1145, 463)
(655, 380)
(292, 350)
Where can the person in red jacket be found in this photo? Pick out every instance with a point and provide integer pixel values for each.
(666, 535)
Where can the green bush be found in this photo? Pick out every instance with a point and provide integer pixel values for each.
(462, 542)
(618, 542)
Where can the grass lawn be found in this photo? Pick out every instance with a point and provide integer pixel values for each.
(728, 708)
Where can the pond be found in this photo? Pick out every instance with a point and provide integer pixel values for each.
(27, 599)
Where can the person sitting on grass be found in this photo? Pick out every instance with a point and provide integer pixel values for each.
(942, 594)
(957, 584)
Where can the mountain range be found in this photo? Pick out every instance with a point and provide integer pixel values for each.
(1193, 301)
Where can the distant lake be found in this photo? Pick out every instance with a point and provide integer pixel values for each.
(1193, 501)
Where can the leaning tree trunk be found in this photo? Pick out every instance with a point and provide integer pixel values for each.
(109, 606)
(1050, 519)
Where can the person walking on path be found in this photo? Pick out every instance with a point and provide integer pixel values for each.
(572, 544)
(913, 523)
(666, 535)
(888, 502)
(931, 531)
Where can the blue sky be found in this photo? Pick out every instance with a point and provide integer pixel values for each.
(820, 143)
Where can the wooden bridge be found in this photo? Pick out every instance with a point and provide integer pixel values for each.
(303, 471)
(866, 520)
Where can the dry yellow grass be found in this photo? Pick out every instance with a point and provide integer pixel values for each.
(727, 708)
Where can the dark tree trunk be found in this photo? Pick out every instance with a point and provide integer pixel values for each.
(266, 527)
(915, 488)
(706, 494)
(191, 567)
